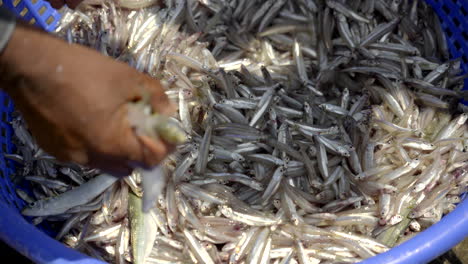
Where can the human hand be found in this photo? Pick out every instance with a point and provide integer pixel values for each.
(59, 3)
(75, 102)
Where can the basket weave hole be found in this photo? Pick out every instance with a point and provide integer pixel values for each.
(465, 59)
(449, 33)
(49, 20)
(42, 10)
(457, 44)
(456, 21)
(465, 35)
(446, 9)
(463, 10)
(16, 3)
(24, 12)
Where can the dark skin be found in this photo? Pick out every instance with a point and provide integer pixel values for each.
(75, 101)
(59, 3)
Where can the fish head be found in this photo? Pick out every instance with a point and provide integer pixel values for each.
(34, 208)
(343, 152)
(415, 163)
(395, 219)
(323, 106)
(418, 187)
(462, 119)
(415, 226)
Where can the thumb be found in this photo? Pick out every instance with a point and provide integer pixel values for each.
(142, 150)
(158, 99)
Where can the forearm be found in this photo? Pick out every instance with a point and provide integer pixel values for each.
(31, 55)
(25, 45)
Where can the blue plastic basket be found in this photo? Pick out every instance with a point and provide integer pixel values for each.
(40, 248)
(37, 12)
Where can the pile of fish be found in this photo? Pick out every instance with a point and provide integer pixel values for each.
(314, 132)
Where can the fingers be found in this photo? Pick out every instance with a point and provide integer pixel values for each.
(130, 151)
(73, 3)
(155, 150)
(106, 165)
(59, 3)
(161, 104)
(56, 3)
(141, 150)
(144, 150)
(158, 99)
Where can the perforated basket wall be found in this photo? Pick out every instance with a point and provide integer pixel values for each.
(41, 248)
(7, 191)
(37, 12)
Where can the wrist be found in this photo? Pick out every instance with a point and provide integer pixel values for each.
(9, 57)
(23, 54)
